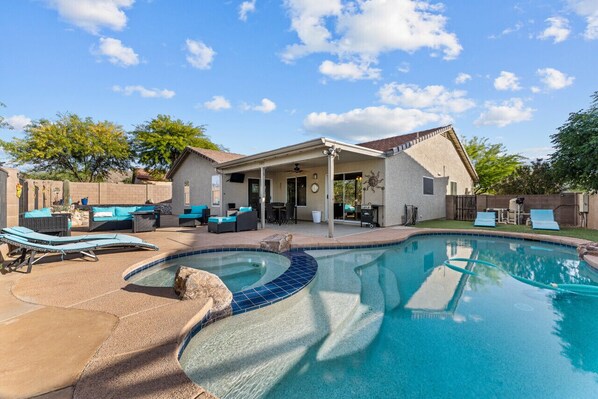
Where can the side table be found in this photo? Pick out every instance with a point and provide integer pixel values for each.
(144, 221)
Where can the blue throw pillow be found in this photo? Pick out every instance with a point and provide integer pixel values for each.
(198, 209)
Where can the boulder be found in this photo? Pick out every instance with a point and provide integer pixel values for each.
(191, 283)
(590, 248)
(277, 243)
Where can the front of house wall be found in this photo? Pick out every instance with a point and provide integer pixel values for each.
(435, 157)
(238, 192)
(198, 172)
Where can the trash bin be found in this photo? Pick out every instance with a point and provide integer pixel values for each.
(317, 216)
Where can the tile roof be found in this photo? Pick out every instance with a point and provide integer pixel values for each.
(216, 156)
(389, 143)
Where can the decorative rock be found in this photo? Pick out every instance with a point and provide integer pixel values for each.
(277, 243)
(191, 283)
(590, 248)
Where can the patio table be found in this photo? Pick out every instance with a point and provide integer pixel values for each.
(144, 221)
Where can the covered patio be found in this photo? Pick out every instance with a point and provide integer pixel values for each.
(321, 175)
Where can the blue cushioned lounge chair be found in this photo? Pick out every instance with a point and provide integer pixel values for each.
(485, 219)
(34, 236)
(29, 250)
(543, 219)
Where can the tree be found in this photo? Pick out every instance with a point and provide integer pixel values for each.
(72, 147)
(3, 123)
(575, 158)
(537, 178)
(491, 162)
(160, 141)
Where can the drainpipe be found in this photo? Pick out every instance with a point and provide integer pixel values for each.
(263, 196)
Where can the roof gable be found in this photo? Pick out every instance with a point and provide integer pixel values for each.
(213, 156)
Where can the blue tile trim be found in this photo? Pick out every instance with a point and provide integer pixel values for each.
(300, 273)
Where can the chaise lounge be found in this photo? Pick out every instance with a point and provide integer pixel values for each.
(34, 236)
(543, 219)
(29, 250)
(485, 219)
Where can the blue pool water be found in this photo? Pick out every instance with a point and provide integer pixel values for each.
(237, 270)
(394, 322)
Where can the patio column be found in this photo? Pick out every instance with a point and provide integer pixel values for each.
(263, 196)
(331, 152)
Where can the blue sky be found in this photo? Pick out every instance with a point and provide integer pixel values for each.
(261, 74)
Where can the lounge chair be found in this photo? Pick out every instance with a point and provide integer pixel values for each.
(29, 250)
(485, 219)
(34, 236)
(543, 219)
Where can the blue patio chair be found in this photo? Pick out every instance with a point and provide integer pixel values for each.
(485, 219)
(34, 236)
(543, 219)
(29, 250)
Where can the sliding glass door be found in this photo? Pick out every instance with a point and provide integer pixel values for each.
(348, 194)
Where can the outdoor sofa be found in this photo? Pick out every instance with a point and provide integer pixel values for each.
(245, 219)
(197, 213)
(44, 221)
(117, 217)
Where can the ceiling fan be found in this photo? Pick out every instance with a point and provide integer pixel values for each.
(296, 169)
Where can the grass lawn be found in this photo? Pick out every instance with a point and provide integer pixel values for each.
(574, 232)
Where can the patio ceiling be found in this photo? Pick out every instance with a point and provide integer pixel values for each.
(307, 154)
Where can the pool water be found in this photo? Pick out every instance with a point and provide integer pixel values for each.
(394, 322)
(238, 270)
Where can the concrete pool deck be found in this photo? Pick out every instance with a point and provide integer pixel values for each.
(77, 329)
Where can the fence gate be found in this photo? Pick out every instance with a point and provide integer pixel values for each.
(465, 207)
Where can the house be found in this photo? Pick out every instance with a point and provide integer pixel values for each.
(417, 169)
(192, 174)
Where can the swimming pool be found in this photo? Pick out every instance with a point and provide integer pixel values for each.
(238, 270)
(395, 322)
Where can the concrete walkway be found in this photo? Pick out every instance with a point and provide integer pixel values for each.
(77, 329)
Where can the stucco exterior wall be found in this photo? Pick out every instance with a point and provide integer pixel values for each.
(435, 158)
(198, 172)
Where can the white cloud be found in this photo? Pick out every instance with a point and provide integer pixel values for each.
(18, 122)
(505, 113)
(535, 89)
(431, 98)
(348, 70)
(92, 15)
(462, 78)
(362, 124)
(245, 8)
(404, 67)
(589, 10)
(533, 153)
(507, 31)
(117, 53)
(217, 103)
(507, 81)
(265, 106)
(143, 92)
(200, 56)
(368, 28)
(554, 79)
(558, 30)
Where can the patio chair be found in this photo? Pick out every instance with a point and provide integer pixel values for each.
(485, 219)
(543, 219)
(270, 216)
(29, 250)
(34, 236)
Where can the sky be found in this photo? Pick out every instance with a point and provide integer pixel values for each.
(261, 74)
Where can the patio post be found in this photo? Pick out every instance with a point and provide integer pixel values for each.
(331, 152)
(263, 196)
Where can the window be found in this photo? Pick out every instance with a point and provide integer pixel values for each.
(428, 186)
(297, 190)
(187, 193)
(216, 190)
(453, 188)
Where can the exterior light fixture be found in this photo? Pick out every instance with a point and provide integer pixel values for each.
(315, 176)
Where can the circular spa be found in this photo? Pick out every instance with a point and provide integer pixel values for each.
(238, 270)
(396, 322)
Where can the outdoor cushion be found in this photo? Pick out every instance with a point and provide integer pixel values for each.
(39, 213)
(189, 216)
(198, 209)
(485, 219)
(102, 215)
(245, 209)
(97, 209)
(124, 210)
(223, 219)
(146, 208)
(543, 219)
(111, 218)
